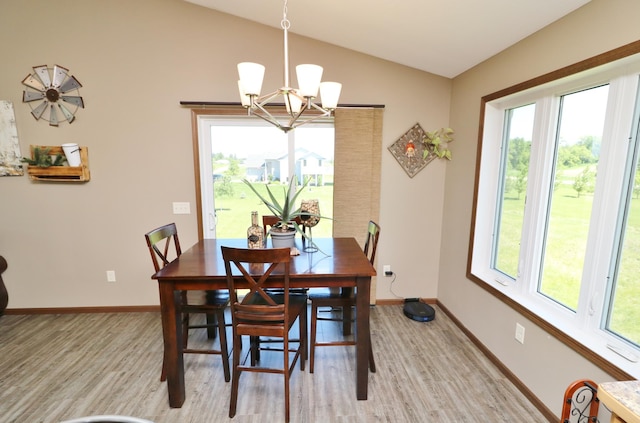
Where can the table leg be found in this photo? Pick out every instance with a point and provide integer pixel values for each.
(363, 288)
(212, 318)
(172, 335)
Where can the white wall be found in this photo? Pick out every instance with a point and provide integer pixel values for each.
(137, 60)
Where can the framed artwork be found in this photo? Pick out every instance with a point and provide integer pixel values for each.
(10, 156)
(409, 151)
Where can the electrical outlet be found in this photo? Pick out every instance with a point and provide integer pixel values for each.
(111, 275)
(519, 333)
(387, 270)
(181, 208)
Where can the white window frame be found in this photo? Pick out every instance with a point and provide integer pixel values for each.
(621, 121)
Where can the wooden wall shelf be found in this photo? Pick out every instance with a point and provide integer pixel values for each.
(61, 173)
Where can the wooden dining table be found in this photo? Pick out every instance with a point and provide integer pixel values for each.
(339, 263)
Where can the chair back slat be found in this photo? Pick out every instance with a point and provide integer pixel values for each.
(159, 242)
(257, 304)
(261, 312)
(371, 244)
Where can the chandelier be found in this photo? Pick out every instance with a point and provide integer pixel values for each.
(297, 101)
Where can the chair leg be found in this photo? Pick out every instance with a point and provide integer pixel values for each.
(254, 348)
(303, 338)
(285, 343)
(211, 322)
(163, 372)
(312, 341)
(372, 362)
(236, 376)
(223, 344)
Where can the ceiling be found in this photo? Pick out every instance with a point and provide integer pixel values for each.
(444, 37)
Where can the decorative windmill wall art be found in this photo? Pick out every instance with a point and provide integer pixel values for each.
(416, 148)
(48, 93)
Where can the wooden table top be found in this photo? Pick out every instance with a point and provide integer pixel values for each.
(622, 398)
(337, 258)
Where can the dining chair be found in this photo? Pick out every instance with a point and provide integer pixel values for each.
(338, 301)
(267, 222)
(261, 313)
(4, 295)
(159, 242)
(270, 220)
(580, 403)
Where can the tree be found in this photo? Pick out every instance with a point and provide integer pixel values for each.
(521, 182)
(583, 181)
(224, 187)
(519, 153)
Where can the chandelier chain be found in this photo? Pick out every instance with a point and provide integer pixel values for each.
(284, 23)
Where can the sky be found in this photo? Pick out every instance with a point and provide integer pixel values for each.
(245, 141)
(583, 114)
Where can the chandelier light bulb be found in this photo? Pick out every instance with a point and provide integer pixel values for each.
(251, 75)
(244, 98)
(309, 77)
(293, 103)
(330, 93)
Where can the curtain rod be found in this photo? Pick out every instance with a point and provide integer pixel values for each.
(223, 104)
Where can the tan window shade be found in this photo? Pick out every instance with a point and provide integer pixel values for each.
(356, 193)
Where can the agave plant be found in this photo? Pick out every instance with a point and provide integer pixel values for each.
(285, 209)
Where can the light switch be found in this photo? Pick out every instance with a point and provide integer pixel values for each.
(181, 208)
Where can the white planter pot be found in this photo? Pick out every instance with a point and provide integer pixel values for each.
(283, 239)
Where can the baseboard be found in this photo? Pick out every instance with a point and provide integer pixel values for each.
(398, 301)
(503, 369)
(79, 310)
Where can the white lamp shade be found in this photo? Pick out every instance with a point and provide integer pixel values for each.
(293, 103)
(330, 93)
(309, 77)
(251, 75)
(244, 98)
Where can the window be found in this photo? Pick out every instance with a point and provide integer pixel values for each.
(557, 219)
(236, 148)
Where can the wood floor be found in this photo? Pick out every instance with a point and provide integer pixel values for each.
(58, 367)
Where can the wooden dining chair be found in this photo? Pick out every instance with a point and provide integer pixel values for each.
(159, 242)
(4, 295)
(269, 220)
(261, 313)
(337, 301)
(580, 402)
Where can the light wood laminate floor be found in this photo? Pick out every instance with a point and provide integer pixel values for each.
(57, 367)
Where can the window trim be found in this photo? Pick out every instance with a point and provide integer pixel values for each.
(581, 68)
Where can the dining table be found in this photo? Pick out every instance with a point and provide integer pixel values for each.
(338, 263)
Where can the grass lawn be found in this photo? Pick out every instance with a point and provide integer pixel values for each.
(234, 212)
(565, 251)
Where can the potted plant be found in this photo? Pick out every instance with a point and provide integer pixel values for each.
(42, 158)
(433, 143)
(285, 210)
